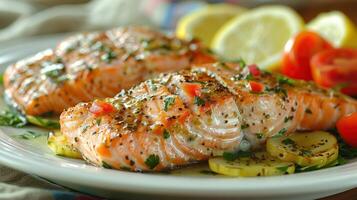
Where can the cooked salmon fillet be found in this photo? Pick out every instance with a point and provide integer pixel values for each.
(192, 115)
(95, 65)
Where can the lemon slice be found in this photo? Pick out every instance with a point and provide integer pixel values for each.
(261, 164)
(336, 27)
(305, 149)
(204, 23)
(258, 36)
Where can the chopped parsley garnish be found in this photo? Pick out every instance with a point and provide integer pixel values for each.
(288, 141)
(285, 80)
(152, 161)
(277, 89)
(199, 101)
(29, 135)
(280, 133)
(244, 126)
(166, 134)
(308, 111)
(249, 77)
(98, 121)
(283, 169)
(231, 156)
(106, 165)
(108, 56)
(286, 119)
(259, 135)
(12, 118)
(168, 102)
(241, 62)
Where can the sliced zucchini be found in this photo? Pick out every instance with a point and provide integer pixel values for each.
(59, 145)
(316, 149)
(43, 122)
(259, 164)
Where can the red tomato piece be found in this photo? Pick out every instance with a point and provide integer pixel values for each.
(99, 108)
(336, 68)
(347, 128)
(254, 70)
(192, 89)
(298, 53)
(255, 86)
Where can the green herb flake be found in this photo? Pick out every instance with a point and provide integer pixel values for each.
(282, 80)
(244, 126)
(288, 141)
(166, 134)
(240, 62)
(259, 135)
(231, 156)
(98, 121)
(280, 133)
(286, 119)
(306, 152)
(106, 165)
(169, 101)
(152, 161)
(108, 56)
(199, 101)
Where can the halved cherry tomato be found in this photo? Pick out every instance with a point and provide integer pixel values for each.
(347, 128)
(255, 86)
(254, 70)
(336, 68)
(298, 53)
(192, 89)
(99, 108)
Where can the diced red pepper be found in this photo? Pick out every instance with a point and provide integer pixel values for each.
(99, 108)
(254, 70)
(255, 86)
(192, 89)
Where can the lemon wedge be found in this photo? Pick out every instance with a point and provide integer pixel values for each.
(258, 36)
(260, 164)
(204, 23)
(336, 27)
(316, 149)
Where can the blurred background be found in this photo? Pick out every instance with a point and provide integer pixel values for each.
(19, 18)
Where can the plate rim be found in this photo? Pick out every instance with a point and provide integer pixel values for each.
(14, 157)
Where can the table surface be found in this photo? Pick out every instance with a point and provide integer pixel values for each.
(348, 195)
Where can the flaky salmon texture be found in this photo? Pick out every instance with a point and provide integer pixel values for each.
(189, 116)
(95, 65)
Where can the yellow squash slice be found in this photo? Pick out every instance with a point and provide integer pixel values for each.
(59, 145)
(259, 164)
(305, 149)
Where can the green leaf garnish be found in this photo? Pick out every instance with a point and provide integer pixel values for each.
(152, 161)
(285, 80)
(106, 165)
(283, 169)
(288, 141)
(168, 102)
(166, 134)
(12, 118)
(280, 133)
(231, 156)
(199, 101)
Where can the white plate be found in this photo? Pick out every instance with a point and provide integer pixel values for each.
(32, 156)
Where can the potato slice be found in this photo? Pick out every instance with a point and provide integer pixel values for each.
(317, 148)
(58, 144)
(259, 164)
